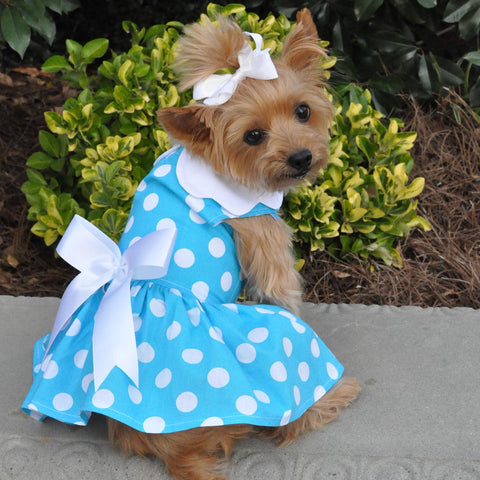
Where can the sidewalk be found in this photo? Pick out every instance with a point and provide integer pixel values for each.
(417, 417)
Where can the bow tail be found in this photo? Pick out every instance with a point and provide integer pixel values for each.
(113, 342)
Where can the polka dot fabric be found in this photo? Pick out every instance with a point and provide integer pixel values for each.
(203, 359)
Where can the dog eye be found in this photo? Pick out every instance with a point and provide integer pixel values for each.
(254, 137)
(302, 112)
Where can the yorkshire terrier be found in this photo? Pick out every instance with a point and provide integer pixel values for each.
(269, 135)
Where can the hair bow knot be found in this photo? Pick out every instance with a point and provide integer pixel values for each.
(219, 88)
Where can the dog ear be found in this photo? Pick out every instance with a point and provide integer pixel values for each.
(191, 126)
(301, 49)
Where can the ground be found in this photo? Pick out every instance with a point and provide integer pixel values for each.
(441, 267)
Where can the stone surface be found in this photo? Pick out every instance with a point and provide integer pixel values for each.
(417, 417)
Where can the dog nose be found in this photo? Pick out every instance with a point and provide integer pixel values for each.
(300, 160)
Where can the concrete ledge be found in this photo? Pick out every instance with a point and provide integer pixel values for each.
(417, 418)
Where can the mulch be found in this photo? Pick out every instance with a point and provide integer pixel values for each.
(441, 267)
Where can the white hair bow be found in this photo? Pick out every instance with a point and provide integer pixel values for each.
(217, 89)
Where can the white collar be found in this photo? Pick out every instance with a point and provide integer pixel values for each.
(200, 180)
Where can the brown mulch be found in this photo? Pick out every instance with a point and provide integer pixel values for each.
(441, 267)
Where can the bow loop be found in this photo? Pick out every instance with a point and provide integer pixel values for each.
(218, 89)
(101, 262)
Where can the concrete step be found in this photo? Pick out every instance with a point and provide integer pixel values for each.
(417, 417)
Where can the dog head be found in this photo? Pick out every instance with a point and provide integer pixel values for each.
(269, 134)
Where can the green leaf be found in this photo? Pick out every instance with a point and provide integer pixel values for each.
(39, 161)
(55, 64)
(364, 9)
(427, 3)
(49, 143)
(95, 48)
(15, 30)
(473, 57)
(457, 9)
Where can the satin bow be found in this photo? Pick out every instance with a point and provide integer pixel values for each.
(100, 261)
(217, 89)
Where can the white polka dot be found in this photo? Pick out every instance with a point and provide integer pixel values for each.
(246, 405)
(166, 223)
(150, 202)
(196, 218)
(129, 224)
(134, 240)
(74, 328)
(192, 355)
(298, 327)
(216, 334)
(145, 352)
(231, 306)
(134, 290)
(200, 290)
(196, 204)
(296, 395)
(226, 281)
(212, 422)
(158, 307)
(278, 372)
(142, 186)
(173, 331)
(332, 371)
(216, 247)
(261, 396)
(288, 315)
(318, 393)
(303, 371)
(258, 335)
(186, 402)
(264, 310)
(176, 292)
(162, 170)
(51, 370)
(86, 381)
(287, 346)
(218, 377)
(194, 316)
(103, 398)
(164, 378)
(184, 258)
(79, 358)
(37, 368)
(137, 322)
(62, 402)
(134, 394)
(154, 425)
(314, 348)
(286, 418)
(246, 353)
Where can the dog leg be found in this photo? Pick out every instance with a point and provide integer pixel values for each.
(328, 408)
(264, 250)
(188, 455)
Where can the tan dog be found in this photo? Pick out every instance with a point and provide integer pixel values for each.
(271, 134)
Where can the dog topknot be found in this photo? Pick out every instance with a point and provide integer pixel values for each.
(206, 48)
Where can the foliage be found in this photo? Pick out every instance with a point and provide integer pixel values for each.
(19, 17)
(362, 203)
(106, 139)
(417, 47)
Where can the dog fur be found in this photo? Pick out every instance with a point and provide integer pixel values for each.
(276, 109)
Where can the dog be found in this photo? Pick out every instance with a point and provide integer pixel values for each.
(269, 135)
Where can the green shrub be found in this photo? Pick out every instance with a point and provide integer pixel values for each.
(19, 17)
(362, 203)
(106, 139)
(417, 47)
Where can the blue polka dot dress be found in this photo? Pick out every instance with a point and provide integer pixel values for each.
(203, 359)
